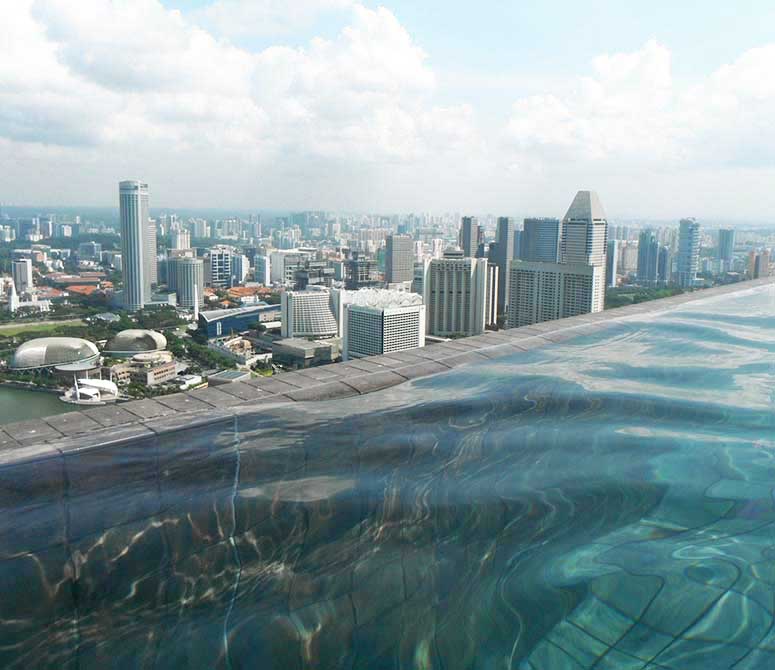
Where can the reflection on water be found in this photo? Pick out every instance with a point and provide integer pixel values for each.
(603, 503)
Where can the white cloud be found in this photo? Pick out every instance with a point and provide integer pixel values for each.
(241, 18)
(630, 112)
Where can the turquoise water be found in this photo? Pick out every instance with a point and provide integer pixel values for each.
(601, 503)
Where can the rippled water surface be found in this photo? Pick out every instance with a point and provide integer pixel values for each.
(605, 502)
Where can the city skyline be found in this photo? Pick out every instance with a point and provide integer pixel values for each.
(355, 107)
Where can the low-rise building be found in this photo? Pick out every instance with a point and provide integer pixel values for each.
(297, 353)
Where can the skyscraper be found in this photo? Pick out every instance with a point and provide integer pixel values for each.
(648, 258)
(314, 313)
(399, 259)
(611, 263)
(22, 275)
(457, 295)
(584, 231)
(189, 281)
(135, 230)
(688, 252)
(469, 236)
(726, 244)
(540, 240)
(502, 256)
(180, 239)
(584, 238)
(151, 261)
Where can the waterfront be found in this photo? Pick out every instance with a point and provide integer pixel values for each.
(17, 404)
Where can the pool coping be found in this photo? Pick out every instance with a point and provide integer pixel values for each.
(33, 439)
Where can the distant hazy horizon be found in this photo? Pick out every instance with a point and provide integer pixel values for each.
(354, 106)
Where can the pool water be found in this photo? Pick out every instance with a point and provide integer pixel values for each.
(604, 502)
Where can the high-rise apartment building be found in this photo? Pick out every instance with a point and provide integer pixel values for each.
(540, 240)
(470, 235)
(665, 265)
(501, 255)
(457, 295)
(378, 322)
(688, 263)
(314, 313)
(22, 275)
(399, 259)
(189, 281)
(547, 291)
(263, 270)
(224, 267)
(648, 258)
(726, 244)
(758, 264)
(135, 245)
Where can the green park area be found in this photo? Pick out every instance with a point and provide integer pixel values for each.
(43, 327)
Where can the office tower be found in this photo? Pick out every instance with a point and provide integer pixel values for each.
(648, 258)
(202, 229)
(584, 237)
(313, 313)
(377, 322)
(399, 259)
(180, 239)
(240, 268)
(758, 264)
(548, 291)
(491, 309)
(517, 250)
(503, 255)
(263, 270)
(151, 260)
(361, 272)
(469, 236)
(457, 294)
(218, 267)
(584, 231)
(688, 252)
(135, 230)
(189, 281)
(22, 275)
(665, 265)
(611, 263)
(726, 244)
(540, 240)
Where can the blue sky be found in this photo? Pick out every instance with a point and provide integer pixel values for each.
(487, 107)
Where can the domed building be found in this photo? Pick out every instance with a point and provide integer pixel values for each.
(135, 341)
(48, 352)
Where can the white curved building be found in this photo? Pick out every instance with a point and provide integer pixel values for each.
(48, 352)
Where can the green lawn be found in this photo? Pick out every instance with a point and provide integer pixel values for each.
(44, 326)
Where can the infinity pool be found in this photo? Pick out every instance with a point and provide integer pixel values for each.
(604, 502)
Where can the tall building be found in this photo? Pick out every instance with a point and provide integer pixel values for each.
(151, 260)
(189, 281)
(665, 265)
(611, 263)
(457, 294)
(263, 271)
(540, 240)
(469, 236)
(313, 313)
(726, 244)
(758, 264)
(378, 322)
(584, 237)
(502, 256)
(648, 258)
(517, 252)
(361, 272)
(584, 231)
(399, 259)
(224, 267)
(135, 245)
(22, 275)
(688, 263)
(180, 239)
(548, 291)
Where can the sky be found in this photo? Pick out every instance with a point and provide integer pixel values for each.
(498, 107)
